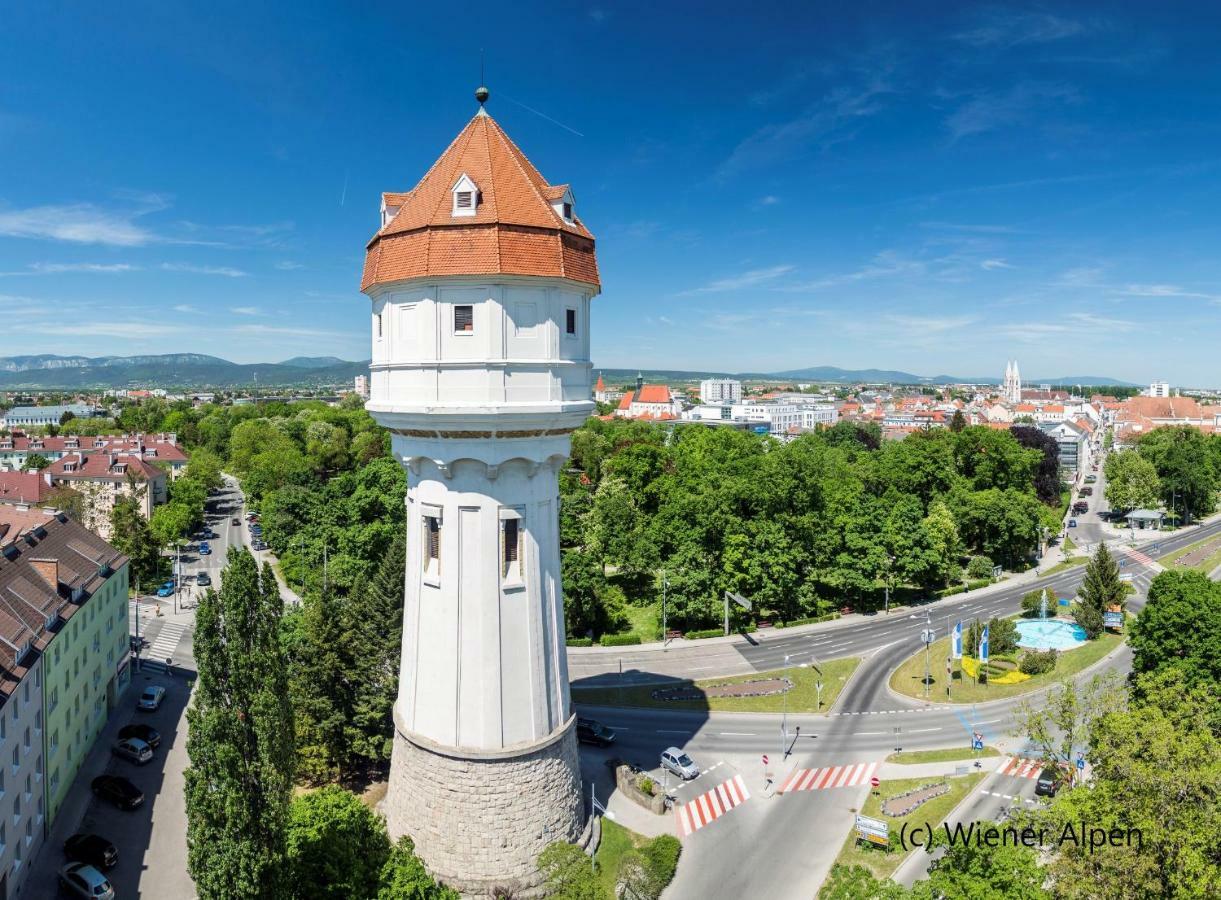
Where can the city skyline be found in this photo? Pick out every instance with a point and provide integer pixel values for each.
(930, 196)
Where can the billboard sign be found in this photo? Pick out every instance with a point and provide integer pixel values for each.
(875, 831)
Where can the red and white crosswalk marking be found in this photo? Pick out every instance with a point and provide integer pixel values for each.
(828, 777)
(1019, 767)
(1144, 559)
(709, 806)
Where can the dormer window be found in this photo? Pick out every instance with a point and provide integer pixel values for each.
(563, 203)
(567, 212)
(466, 197)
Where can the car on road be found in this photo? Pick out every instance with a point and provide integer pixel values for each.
(133, 750)
(151, 698)
(203, 579)
(1072, 523)
(591, 731)
(83, 880)
(118, 790)
(679, 763)
(143, 732)
(235, 521)
(1087, 491)
(165, 590)
(204, 549)
(1049, 782)
(259, 545)
(92, 849)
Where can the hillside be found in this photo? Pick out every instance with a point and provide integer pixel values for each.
(171, 370)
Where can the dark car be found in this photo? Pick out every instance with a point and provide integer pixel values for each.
(203, 579)
(591, 731)
(235, 521)
(1049, 782)
(93, 849)
(117, 790)
(142, 732)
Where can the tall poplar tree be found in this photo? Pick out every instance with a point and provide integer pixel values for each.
(240, 740)
(1100, 591)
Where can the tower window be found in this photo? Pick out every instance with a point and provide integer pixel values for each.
(464, 318)
(512, 549)
(570, 321)
(568, 212)
(432, 545)
(464, 200)
(379, 325)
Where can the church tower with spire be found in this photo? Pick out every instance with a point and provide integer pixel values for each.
(481, 279)
(1011, 389)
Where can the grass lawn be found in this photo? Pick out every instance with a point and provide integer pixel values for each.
(616, 841)
(645, 621)
(801, 699)
(1065, 564)
(1206, 566)
(908, 678)
(881, 863)
(910, 757)
(1069, 545)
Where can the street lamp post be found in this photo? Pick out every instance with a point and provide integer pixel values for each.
(927, 636)
(889, 569)
(784, 721)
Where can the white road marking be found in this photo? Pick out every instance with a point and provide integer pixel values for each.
(736, 733)
(919, 730)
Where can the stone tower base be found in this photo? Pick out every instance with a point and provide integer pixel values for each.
(480, 819)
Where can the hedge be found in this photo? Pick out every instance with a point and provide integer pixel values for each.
(716, 632)
(619, 640)
(580, 642)
(809, 620)
(661, 859)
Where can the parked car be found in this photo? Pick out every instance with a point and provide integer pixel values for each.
(679, 763)
(203, 579)
(132, 750)
(1072, 523)
(259, 545)
(204, 549)
(165, 590)
(1087, 491)
(591, 731)
(1049, 782)
(235, 521)
(92, 849)
(118, 790)
(83, 880)
(143, 732)
(151, 698)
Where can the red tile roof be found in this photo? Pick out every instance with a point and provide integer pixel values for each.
(515, 230)
(102, 465)
(654, 393)
(23, 487)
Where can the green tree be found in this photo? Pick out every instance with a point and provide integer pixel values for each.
(35, 462)
(1179, 628)
(568, 874)
(323, 695)
(1100, 591)
(958, 421)
(1156, 768)
(586, 608)
(130, 534)
(405, 878)
(1062, 722)
(858, 883)
(1132, 481)
(970, 870)
(170, 523)
(1185, 468)
(336, 846)
(239, 740)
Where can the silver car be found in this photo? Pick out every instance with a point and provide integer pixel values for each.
(151, 698)
(132, 749)
(80, 880)
(679, 763)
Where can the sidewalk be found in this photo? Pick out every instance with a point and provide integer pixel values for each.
(891, 770)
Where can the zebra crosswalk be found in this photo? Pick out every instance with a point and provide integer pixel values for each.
(828, 777)
(166, 642)
(711, 805)
(1020, 767)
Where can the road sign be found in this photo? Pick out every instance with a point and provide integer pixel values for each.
(1126, 576)
(765, 759)
(1080, 763)
(1065, 601)
(928, 635)
(1112, 620)
(875, 831)
(875, 781)
(977, 741)
(739, 599)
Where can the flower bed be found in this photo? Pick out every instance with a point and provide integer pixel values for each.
(761, 687)
(898, 806)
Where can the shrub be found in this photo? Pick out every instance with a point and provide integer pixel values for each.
(1002, 636)
(809, 620)
(1088, 618)
(335, 845)
(1035, 662)
(647, 785)
(978, 583)
(661, 856)
(951, 591)
(619, 640)
(1032, 602)
(979, 567)
(580, 642)
(704, 633)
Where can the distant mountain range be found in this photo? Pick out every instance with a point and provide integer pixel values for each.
(171, 370)
(196, 370)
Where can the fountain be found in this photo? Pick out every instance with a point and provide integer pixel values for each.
(1043, 606)
(1049, 634)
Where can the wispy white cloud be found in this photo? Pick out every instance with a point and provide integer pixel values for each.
(990, 110)
(1101, 323)
(100, 327)
(40, 268)
(931, 324)
(831, 120)
(751, 278)
(280, 330)
(287, 265)
(767, 200)
(226, 271)
(79, 223)
(185, 308)
(1000, 28)
(1164, 290)
(246, 310)
(885, 264)
(992, 265)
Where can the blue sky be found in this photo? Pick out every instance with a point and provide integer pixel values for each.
(772, 186)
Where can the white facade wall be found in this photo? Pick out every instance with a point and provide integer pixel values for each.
(720, 390)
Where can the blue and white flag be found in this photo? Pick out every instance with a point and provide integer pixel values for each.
(983, 646)
(958, 641)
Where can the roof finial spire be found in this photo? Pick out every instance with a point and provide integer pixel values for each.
(481, 92)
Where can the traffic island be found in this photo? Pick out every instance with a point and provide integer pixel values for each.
(757, 692)
(882, 861)
(908, 678)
